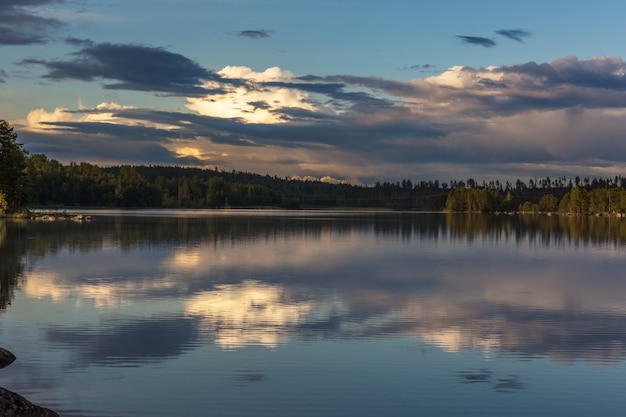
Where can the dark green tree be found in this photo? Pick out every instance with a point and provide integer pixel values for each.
(548, 203)
(12, 168)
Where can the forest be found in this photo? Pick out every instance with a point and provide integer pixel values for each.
(51, 184)
(36, 181)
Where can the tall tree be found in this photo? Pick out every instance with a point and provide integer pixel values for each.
(3, 203)
(12, 167)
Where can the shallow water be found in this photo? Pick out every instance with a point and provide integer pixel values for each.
(277, 313)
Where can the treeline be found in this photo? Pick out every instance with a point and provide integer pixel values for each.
(52, 184)
(605, 198)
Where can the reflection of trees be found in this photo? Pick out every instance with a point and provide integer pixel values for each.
(12, 249)
(541, 229)
(130, 231)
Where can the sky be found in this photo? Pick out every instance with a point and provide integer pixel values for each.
(337, 91)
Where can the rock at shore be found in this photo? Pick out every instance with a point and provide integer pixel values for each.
(6, 358)
(14, 405)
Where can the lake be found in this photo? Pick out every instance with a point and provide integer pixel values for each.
(315, 313)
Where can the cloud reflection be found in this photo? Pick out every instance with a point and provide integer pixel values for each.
(248, 313)
(258, 282)
(102, 293)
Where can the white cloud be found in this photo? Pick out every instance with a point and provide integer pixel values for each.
(106, 112)
(36, 119)
(326, 178)
(330, 180)
(458, 77)
(251, 104)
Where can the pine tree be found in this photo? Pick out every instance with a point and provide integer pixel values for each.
(12, 168)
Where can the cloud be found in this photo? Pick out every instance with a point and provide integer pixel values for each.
(559, 118)
(259, 98)
(514, 34)
(23, 24)
(107, 113)
(600, 73)
(423, 68)
(79, 41)
(477, 40)
(90, 132)
(326, 179)
(131, 67)
(255, 34)
(3, 76)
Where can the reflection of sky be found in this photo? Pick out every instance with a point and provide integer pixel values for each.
(351, 282)
(322, 316)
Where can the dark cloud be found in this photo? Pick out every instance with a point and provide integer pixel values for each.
(491, 84)
(20, 24)
(3, 76)
(343, 82)
(299, 114)
(79, 42)
(336, 91)
(423, 68)
(477, 40)
(134, 67)
(312, 130)
(260, 104)
(514, 34)
(81, 142)
(255, 34)
(601, 73)
(138, 133)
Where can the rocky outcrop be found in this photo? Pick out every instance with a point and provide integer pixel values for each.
(6, 358)
(14, 405)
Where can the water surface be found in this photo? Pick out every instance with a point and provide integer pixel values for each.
(278, 313)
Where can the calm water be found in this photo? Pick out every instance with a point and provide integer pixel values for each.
(316, 314)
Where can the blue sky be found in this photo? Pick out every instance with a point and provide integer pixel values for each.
(340, 90)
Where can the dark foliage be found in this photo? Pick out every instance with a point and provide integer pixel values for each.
(12, 164)
(52, 184)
